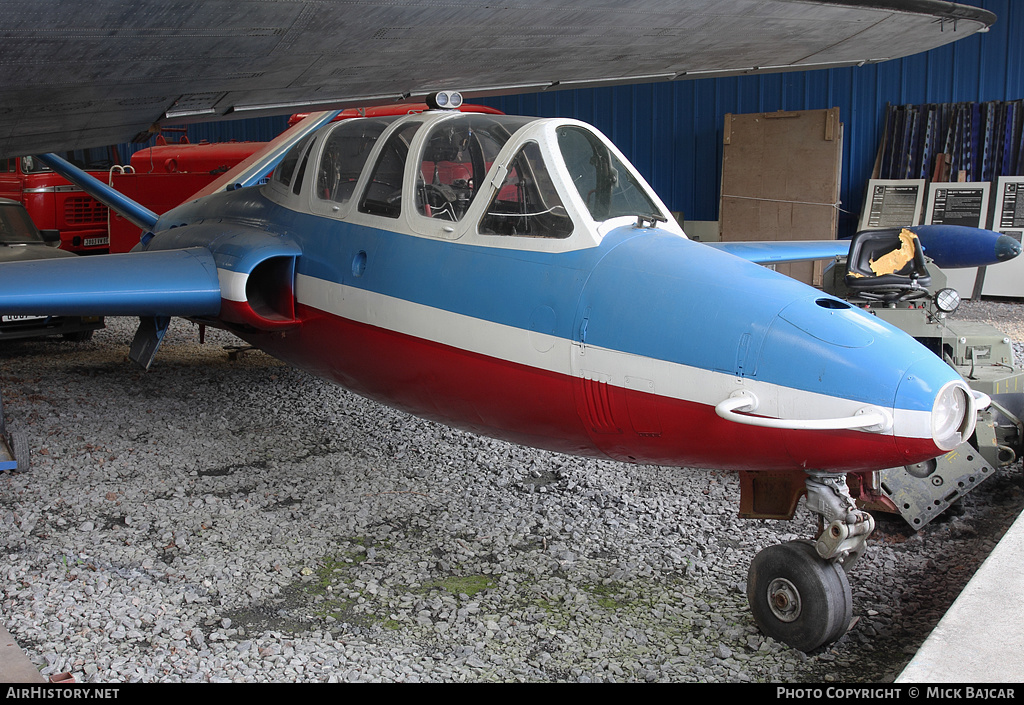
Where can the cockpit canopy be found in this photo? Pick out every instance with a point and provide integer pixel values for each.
(449, 174)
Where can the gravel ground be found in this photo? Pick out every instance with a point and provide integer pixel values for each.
(219, 520)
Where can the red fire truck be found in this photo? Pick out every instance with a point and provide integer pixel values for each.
(166, 175)
(54, 204)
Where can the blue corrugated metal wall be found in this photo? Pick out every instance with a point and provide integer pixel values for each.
(673, 131)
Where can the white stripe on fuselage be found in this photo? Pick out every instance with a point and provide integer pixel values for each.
(232, 284)
(561, 356)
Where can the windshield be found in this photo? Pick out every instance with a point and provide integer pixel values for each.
(15, 226)
(604, 183)
(286, 169)
(526, 203)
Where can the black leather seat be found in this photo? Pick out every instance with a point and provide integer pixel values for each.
(906, 276)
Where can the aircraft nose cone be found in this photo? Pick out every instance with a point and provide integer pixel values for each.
(949, 410)
(1007, 248)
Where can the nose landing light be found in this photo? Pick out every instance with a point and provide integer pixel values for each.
(953, 415)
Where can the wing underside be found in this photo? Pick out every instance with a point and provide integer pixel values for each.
(98, 73)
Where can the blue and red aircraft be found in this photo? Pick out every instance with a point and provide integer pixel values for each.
(516, 277)
(511, 276)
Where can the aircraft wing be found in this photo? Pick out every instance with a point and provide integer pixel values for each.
(780, 252)
(948, 246)
(181, 282)
(85, 74)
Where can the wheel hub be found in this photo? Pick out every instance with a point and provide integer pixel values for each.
(784, 600)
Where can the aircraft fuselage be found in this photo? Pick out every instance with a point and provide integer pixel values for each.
(614, 341)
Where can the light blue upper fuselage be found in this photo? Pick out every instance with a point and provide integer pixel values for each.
(640, 291)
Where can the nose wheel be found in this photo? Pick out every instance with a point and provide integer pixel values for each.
(797, 597)
(798, 591)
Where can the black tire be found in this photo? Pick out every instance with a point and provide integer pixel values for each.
(797, 597)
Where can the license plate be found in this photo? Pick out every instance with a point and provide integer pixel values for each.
(93, 241)
(19, 319)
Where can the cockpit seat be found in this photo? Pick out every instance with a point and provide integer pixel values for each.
(887, 266)
(447, 172)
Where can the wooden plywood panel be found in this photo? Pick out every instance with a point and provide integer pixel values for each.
(781, 178)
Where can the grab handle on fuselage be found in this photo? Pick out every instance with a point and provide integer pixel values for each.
(869, 418)
(982, 400)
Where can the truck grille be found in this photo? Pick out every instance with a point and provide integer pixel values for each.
(81, 210)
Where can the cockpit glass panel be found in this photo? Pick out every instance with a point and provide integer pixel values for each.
(344, 155)
(383, 195)
(456, 157)
(604, 183)
(286, 169)
(527, 204)
(301, 173)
